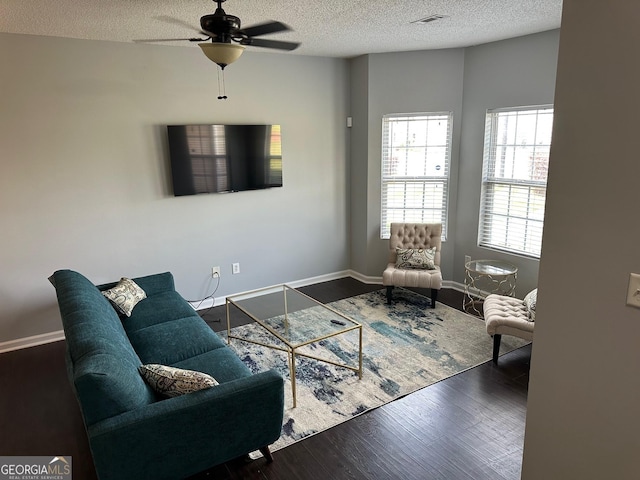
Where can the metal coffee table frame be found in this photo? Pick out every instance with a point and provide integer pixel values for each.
(292, 347)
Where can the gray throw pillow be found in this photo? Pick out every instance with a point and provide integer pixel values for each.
(417, 258)
(173, 382)
(125, 296)
(530, 301)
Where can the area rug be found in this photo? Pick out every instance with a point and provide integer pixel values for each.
(406, 346)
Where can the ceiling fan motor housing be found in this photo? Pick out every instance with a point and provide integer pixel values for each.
(221, 27)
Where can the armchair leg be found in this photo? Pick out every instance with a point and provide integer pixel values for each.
(266, 453)
(496, 347)
(434, 297)
(389, 290)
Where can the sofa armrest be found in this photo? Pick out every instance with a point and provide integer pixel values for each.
(181, 436)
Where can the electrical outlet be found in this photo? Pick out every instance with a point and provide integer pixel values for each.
(467, 259)
(215, 272)
(235, 268)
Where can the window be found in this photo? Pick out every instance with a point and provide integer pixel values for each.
(208, 158)
(416, 152)
(514, 179)
(274, 167)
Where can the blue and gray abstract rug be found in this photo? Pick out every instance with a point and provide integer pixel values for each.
(406, 346)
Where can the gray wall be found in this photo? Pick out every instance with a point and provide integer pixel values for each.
(511, 73)
(403, 82)
(84, 178)
(359, 161)
(515, 72)
(582, 414)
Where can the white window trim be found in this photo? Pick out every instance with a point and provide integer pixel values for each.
(489, 180)
(424, 180)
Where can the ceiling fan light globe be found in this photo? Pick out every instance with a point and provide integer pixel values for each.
(222, 53)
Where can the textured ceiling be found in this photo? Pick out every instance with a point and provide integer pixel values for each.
(332, 28)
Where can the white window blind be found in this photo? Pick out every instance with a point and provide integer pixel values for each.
(416, 153)
(514, 179)
(208, 155)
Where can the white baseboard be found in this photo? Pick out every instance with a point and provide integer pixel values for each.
(295, 284)
(320, 278)
(364, 278)
(459, 287)
(32, 341)
(41, 339)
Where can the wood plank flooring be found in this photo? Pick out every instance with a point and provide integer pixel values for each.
(469, 426)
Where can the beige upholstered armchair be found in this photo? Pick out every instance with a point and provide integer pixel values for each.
(418, 245)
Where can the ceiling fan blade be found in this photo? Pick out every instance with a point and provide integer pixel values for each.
(279, 45)
(153, 40)
(264, 29)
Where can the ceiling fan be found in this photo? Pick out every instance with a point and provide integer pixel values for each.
(228, 39)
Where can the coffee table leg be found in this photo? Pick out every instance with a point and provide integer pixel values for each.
(292, 374)
(360, 359)
(228, 324)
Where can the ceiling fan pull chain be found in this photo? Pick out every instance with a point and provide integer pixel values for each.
(221, 95)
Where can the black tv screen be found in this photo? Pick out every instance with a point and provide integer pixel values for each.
(224, 158)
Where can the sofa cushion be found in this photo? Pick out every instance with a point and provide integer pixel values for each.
(104, 366)
(160, 308)
(85, 338)
(412, 277)
(222, 364)
(107, 386)
(170, 342)
(125, 296)
(91, 325)
(173, 382)
(102, 362)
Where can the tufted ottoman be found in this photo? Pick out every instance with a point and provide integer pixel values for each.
(506, 316)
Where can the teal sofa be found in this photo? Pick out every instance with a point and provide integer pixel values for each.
(133, 432)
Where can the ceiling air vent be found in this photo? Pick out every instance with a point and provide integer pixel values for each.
(430, 18)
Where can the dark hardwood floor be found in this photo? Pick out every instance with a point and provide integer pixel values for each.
(469, 426)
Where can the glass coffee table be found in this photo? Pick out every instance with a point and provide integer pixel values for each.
(296, 320)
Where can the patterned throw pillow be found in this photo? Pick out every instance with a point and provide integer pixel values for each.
(125, 295)
(530, 301)
(173, 382)
(416, 258)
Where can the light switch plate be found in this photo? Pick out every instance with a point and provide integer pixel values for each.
(633, 293)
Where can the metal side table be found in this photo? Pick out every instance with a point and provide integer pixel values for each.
(483, 277)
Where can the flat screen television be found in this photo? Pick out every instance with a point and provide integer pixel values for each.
(224, 158)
